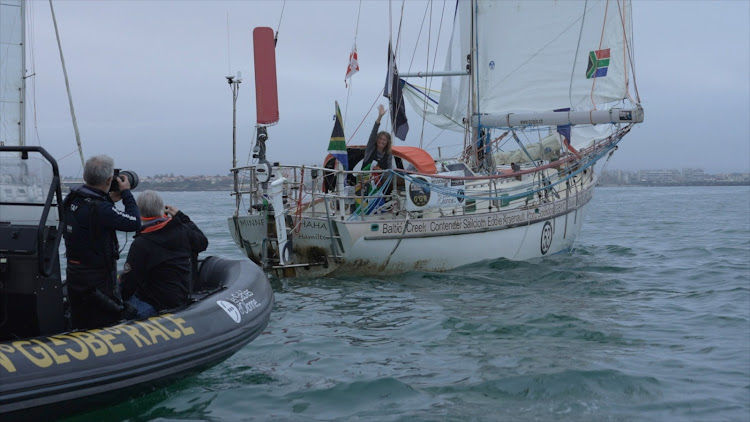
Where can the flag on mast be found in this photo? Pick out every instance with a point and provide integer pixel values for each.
(353, 64)
(337, 146)
(394, 92)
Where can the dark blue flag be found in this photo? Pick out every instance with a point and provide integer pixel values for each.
(394, 92)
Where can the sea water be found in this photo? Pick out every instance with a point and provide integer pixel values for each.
(647, 320)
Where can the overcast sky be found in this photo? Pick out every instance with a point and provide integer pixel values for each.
(149, 88)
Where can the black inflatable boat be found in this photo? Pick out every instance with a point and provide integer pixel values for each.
(46, 371)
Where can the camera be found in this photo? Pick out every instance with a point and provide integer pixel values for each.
(130, 174)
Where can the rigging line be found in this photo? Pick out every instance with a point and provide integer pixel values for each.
(471, 98)
(414, 54)
(356, 29)
(390, 24)
(67, 155)
(421, 91)
(395, 55)
(628, 53)
(437, 43)
(400, 27)
(398, 242)
(365, 117)
(429, 85)
(229, 50)
(427, 97)
(601, 40)
(67, 84)
(535, 187)
(278, 26)
(346, 107)
(439, 32)
(4, 59)
(351, 80)
(578, 47)
(30, 24)
(419, 35)
(632, 60)
(625, 73)
(427, 66)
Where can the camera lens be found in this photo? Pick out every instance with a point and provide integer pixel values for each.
(129, 174)
(132, 178)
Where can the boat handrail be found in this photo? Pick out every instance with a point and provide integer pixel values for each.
(500, 174)
(47, 242)
(500, 189)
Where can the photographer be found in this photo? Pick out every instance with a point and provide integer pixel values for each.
(162, 262)
(92, 249)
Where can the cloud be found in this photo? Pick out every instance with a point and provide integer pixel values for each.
(148, 85)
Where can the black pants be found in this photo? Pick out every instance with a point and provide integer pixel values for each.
(93, 297)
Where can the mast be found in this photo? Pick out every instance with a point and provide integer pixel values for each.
(12, 72)
(473, 106)
(22, 127)
(67, 85)
(234, 85)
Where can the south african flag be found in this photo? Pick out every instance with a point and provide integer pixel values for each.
(598, 64)
(337, 146)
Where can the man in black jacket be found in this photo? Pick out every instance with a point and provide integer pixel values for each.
(159, 270)
(91, 246)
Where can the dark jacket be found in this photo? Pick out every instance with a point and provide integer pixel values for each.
(159, 267)
(371, 151)
(92, 250)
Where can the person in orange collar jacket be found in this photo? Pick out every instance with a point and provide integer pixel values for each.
(161, 264)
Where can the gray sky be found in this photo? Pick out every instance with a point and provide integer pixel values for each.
(147, 80)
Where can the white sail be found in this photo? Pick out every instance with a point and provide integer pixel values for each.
(426, 106)
(454, 94)
(540, 56)
(11, 72)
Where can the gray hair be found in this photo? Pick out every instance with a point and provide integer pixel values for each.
(150, 204)
(98, 169)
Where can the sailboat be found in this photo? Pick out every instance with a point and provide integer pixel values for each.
(539, 92)
(47, 370)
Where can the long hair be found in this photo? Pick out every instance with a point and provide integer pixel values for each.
(150, 204)
(390, 141)
(98, 169)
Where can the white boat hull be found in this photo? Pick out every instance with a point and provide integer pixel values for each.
(390, 246)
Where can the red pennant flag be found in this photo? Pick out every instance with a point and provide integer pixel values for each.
(353, 64)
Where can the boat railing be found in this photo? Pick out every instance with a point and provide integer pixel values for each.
(306, 186)
(31, 297)
(360, 195)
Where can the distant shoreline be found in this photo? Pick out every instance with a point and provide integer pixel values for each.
(177, 187)
(660, 185)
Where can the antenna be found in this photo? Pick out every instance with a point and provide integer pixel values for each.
(229, 50)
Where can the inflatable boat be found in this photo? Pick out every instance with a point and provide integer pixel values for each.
(48, 371)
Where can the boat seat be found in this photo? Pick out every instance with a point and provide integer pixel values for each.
(31, 303)
(204, 281)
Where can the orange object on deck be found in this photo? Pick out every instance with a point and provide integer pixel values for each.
(419, 158)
